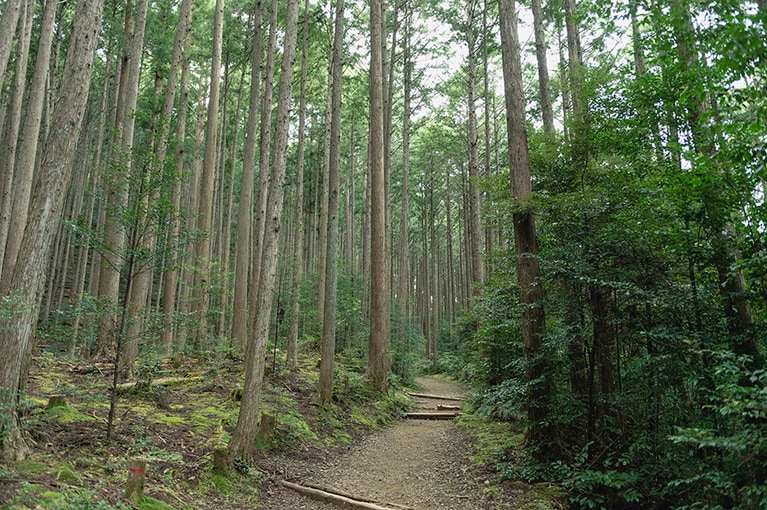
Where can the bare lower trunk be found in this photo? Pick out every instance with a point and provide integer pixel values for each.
(525, 237)
(242, 442)
(11, 13)
(207, 180)
(245, 205)
(25, 291)
(379, 356)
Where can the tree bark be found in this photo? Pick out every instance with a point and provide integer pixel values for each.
(242, 442)
(525, 238)
(475, 236)
(141, 232)
(379, 356)
(245, 204)
(207, 180)
(171, 280)
(29, 277)
(24, 169)
(544, 86)
(178, 59)
(11, 14)
(298, 254)
(9, 147)
(115, 236)
(403, 291)
(328, 341)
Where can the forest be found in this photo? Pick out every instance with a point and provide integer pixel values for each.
(559, 203)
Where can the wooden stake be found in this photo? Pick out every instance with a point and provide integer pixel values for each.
(134, 487)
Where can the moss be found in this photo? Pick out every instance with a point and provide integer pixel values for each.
(31, 468)
(209, 417)
(66, 414)
(361, 415)
(223, 483)
(66, 471)
(168, 420)
(147, 503)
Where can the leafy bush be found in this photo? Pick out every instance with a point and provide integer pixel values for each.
(728, 460)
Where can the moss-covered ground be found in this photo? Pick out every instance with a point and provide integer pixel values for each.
(176, 426)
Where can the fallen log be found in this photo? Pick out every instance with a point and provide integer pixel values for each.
(437, 397)
(163, 381)
(356, 497)
(334, 499)
(431, 415)
(441, 407)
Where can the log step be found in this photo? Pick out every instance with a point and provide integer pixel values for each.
(431, 415)
(436, 397)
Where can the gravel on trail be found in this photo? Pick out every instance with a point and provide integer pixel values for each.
(417, 464)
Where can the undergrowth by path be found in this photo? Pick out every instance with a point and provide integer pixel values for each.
(176, 427)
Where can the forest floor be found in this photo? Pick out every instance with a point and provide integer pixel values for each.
(357, 445)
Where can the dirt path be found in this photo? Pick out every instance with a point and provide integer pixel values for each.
(420, 464)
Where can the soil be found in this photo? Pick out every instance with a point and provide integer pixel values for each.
(421, 464)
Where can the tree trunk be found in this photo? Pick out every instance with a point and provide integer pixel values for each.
(242, 442)
(11, 14)
(732, 281)
(10, 236)
(24, 169)
(245, 204)
(379, 357)
(117, 183)
(475, 234)
(544, 87)
(298, 254)
(171, 280)
(403, 291)
(525, 238)
(16, 337)
(259, 228)
(207, 180)
(142, 270)
(328, 342)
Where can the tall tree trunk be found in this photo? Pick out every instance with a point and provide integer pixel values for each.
(476, 237)
(142, 271)
(117, 185)
(259, 222)
(298, 253)
(242, 443)
(403, 291)
(328, 342)
(171, 280)
(245, 204)
(207, 180)
(11, 14)
(24, 169)
(451, 293)
(732, 281)
(9, 236)
(379, 356)
(25, 291)
(544, 86)
(525, 238)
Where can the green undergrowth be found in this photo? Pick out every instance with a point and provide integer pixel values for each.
(175, 425)
(495, 445)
